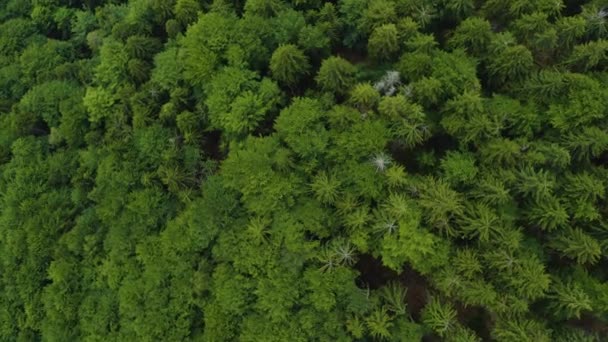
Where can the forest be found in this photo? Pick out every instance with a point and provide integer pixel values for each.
(304, 170)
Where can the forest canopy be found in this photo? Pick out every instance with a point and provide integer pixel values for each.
(273, 170)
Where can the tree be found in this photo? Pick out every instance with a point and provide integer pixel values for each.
(577, 245)
(587, 143)
(379, 324)
(440, 317)
(521, 329)
(336, 75)
(383, 42)
(238, 102)
(549, 214)
(473, 35)
(186, 11)
(303, 170)
(395, 295)
(326, 189)
(570, 300)
(514, 62)
(536, 184)
(459, 168)
(288, 64)
(264, 8)
(590, 55)
(441, 205)
(364, 97)
(481, 222)
(459, 8)
(314, 41)
(301, 126)
(142, 47)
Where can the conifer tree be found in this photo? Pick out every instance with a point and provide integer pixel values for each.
(383, 42)
(288, 64)
(269, 170)
(336, 74)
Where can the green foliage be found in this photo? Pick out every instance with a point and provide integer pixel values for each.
(288, 64)
(576, 244)
(440, 317)
(521, 330)
(511, 63)
(336, 74)
(458, 168)
(306, 170)
(237, 102)
(379, 324)
(186, 11)
(300, 126)
(326, 189)
(364, 97)
(570, 300)
(383, 42)
(394, 296)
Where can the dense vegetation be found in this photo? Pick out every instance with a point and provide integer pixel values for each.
(271, 170)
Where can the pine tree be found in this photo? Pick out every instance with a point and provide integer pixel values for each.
(509, 62)
(536, 184)
(569, 300)
(480, 221)
(364, 97)
(326, 188)
(520, 329)
(288, 64)
(394, 295)
(186, 11)
(336, 74)
(441, 206)
(576, 244)
(383, 42)
(440, 317)
(548, 214)
(379, 324)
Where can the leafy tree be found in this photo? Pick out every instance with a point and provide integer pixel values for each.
(260, 154)
(202, 45)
